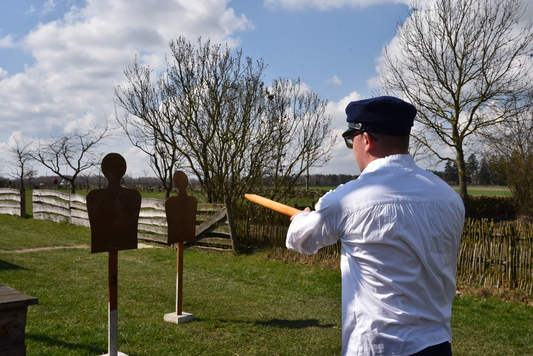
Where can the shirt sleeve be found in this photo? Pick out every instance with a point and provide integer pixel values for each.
(309, 232)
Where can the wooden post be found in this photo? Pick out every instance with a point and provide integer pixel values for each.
(229, 217)
(179, 279)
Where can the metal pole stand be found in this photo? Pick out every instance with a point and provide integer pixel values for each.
(179, 317)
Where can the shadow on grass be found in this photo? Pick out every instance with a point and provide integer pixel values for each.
(280, 323)
(66, 345)
(294, 324)
(6, 266)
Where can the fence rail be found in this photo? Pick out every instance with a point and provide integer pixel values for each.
(212, 222)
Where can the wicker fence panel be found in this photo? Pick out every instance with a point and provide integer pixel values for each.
(496, 254)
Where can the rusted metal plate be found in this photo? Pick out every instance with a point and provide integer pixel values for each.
(114, 210)
(181, 212)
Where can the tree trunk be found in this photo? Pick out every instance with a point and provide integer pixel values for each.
(22, 202)
(463, 191)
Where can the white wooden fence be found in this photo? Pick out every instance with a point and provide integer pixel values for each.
(10, 200)
(212, 223)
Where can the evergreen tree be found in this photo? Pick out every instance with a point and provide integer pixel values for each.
(485, 173)
(472, 169)
(451, 173)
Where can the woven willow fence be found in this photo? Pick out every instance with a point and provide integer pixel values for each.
(496, 254)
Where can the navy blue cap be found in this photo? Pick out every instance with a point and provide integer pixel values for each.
(385, 114)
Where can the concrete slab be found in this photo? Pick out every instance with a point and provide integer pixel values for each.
(178, 319)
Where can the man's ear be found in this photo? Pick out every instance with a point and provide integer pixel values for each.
(369, 142)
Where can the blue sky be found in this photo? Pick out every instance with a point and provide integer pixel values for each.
(60, 60)
(313, 44)
(318, 46)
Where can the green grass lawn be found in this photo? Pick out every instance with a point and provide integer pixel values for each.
(242, 304)
(491, 327)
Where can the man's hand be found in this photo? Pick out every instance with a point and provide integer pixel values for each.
(306, 210)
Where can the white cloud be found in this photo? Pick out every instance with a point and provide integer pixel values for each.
(335, 80)
(342, 161)
(15, 137)
(136, 160)
(49, 6)
(337, 110)
(80, 58)
(7, 41)
(392, 48)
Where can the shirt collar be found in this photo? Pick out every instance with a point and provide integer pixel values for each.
(389, 161)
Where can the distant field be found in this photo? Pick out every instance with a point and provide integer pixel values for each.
(487, 190)
(472, 190)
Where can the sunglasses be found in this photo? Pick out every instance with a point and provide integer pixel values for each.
(349, 135)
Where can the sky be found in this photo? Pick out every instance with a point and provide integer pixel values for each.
(61, 60)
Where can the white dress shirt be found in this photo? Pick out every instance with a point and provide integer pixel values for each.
(400, 228)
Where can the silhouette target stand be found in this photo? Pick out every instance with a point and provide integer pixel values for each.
(113, 216)
(181, 221)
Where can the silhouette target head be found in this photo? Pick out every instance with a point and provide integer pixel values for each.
(114, 167)
(181, 181)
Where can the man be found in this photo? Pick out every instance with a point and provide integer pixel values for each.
(399, 228)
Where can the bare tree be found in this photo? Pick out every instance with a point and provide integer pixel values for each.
(86, 176)
(144, 126)
(164, 161)
(510, 153)
(75, 150)
(301, 137)
(461, 63)
(211, 106)
(21, 168)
